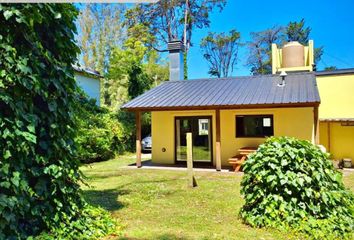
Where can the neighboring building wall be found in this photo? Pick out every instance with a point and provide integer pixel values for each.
(296, 122)
(90, 85)
(337, 139)
(337, 96)
(337, 101)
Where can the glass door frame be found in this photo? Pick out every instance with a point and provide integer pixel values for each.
(210, 118)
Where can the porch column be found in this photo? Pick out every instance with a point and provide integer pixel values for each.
(138, 138)
(316, 123)
(218, 143)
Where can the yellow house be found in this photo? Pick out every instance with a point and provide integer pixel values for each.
(225, 114)
(337, 112)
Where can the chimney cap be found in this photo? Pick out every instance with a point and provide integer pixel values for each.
(175, 45)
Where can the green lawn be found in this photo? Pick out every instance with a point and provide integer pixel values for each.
(157, 204)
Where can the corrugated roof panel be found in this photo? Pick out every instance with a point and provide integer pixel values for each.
(239, 91)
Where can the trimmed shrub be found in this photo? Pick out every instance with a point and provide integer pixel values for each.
(289, 182)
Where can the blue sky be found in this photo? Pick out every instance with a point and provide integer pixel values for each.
(332, 24)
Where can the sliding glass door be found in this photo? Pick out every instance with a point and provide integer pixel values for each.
(200, 127)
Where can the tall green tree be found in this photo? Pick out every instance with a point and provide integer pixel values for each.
(260, 49)
(134, 68)
(220, 50)
(100, 30)
(174, 19)
(296, 31)
(39, 175)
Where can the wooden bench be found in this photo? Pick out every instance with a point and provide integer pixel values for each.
(236, 162)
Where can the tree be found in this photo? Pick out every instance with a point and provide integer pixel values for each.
(220, 50)
(134, 67)
(100, 30)
(296, 31)
(260, 56)
(173, 19)
(260, 49)
(330, 68)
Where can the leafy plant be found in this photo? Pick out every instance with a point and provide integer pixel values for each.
(290, 182)
(39, 175)
(93, 223)
(100, 134)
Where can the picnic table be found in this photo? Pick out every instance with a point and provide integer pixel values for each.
(236, 161)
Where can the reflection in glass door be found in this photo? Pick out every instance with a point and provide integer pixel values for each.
(200, 127)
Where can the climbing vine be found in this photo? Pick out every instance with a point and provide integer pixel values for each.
(38, 173)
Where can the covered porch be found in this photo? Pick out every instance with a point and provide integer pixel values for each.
(240, 112)
(225, 140)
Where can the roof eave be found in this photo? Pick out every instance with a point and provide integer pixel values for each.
(221, 107)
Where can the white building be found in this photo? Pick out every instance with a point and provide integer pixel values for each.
(89, 81)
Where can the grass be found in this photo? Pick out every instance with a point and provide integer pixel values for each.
(157, 204)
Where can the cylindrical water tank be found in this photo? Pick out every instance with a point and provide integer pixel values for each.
(293, 55)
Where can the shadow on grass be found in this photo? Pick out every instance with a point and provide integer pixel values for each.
(107, 199)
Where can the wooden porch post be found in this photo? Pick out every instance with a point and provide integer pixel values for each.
(218, 143)
(138, 138)
(316, 125)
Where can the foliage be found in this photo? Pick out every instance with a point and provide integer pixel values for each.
(296, 31)
(290, 182)
(166, 18)
(220, 50)
(330, 68)
(38, 173)
(134, 68)
(260, 49)
(100, 31)
(100, 134)
(93, 223)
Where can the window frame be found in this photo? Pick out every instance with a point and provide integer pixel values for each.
(271, 116)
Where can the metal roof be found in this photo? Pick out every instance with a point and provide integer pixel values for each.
(237, 92)
(335, 72)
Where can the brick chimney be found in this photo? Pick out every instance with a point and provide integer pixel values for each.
(176, 50)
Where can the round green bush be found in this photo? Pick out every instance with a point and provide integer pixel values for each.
(290, 182)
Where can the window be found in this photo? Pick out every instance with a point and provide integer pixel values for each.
(254, 126)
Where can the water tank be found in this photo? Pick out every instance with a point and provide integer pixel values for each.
(293, 55)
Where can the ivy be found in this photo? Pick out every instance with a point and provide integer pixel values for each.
(289, 183)
(39, 175)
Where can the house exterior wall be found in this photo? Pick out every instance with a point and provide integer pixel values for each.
(337, 101)
(90, 85)
(337, 96)
(295, 122)
(337, 139)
